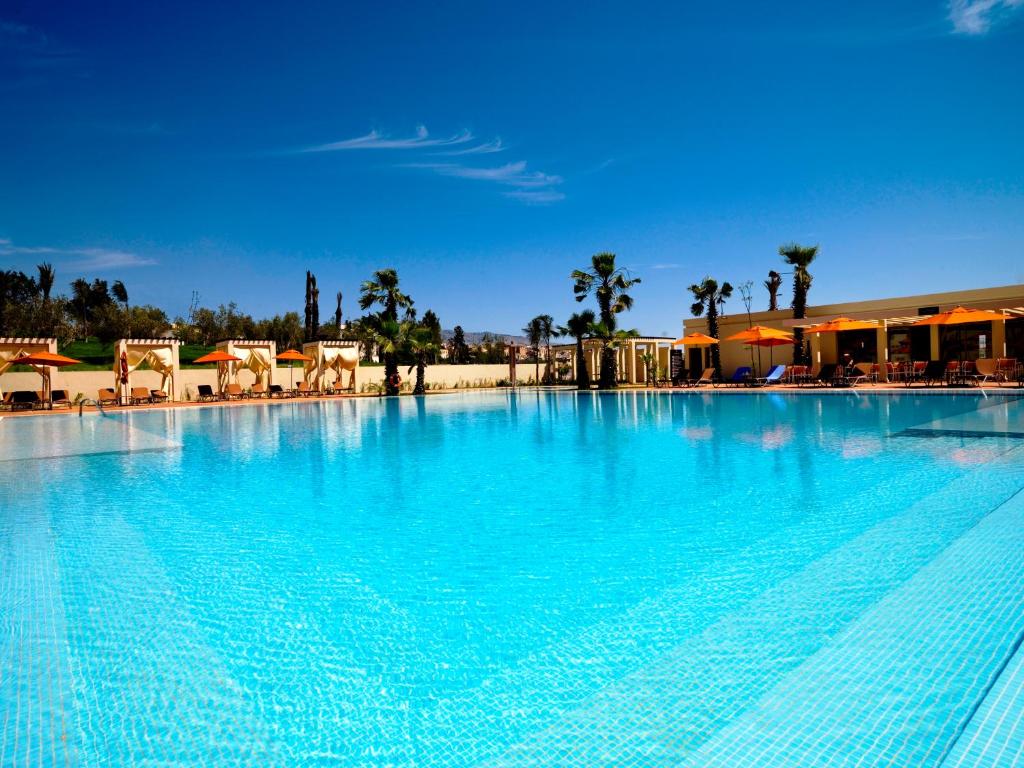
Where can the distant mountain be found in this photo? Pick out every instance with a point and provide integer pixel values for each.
(477, 337)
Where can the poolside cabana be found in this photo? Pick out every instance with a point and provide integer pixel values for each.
(330, 357)
(12, 348)
(630, 366)
(255, 358)
(159, 355)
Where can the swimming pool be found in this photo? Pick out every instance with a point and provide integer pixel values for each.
(501, 579)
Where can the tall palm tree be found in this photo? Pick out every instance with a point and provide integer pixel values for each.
(421, 344)
(46, 278)
(773, 283)
(383, 290)
(390, 336)
(578, 326)
(609, 285)
(534, 331)
(799, 257)
(547, 330)
(708, 297)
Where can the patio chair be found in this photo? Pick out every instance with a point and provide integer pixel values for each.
(935, 372)
(60, 397)
(157, 396)
(707, 376)
(774, 376)
(915, 372)
(826, 376)
(233, 392)
(741, 377)
(25, 399)
(304, 390)
(106, 397)
(985, 369)
(797, 374)
(258, 390)
(204, 392)
(140, 395)
(276, 390)
(1007, 368)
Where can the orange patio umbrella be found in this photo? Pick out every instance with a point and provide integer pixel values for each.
(293, 355)
(762, 336)
(961, 316)
(220, 358)
(40, 360)
(840, 324)
(696, 340)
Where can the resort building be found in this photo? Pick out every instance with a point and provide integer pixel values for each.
(894, 340)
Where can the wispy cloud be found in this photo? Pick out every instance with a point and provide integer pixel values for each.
(529, 186)
(666, 266)
(30, 53)
(977, 17)
(377, 140)
(95, 259)
(487, 148)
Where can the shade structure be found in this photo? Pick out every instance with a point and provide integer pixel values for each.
(217, 357)
(762, 336)
(696, 340)
(840, 324)
(293, 355)
(961, 315)
(40, 361)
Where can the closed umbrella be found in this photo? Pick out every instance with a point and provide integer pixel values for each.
(220, 358)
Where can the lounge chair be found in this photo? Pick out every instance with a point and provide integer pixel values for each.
(205, 392)
(985, 369)
(5, 404)
(157, 396)
(826, 375)
(106, 397)
(258, 390)
(234, 392)
(304, 390)
(1006, 368)
(60, 397)
(774, 376)
(25, 399)
(857, 374)
(742, 376)
(707, 376)
(276, 390)
(140, 395)
(934, 373)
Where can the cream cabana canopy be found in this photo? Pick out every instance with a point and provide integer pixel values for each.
(160, 355)
(257, 357)
(328, 356)
(11, 348)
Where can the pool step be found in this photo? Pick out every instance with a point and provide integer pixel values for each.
(687, 692)
(897, 685)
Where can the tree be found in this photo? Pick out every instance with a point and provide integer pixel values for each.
(337, 313)
(390, 337)
(431, 322)
(534, 331)
(458, 349)
(121, 294)
(312, 329)
(773, 283)
(708, 298)
(547, 330)
(87, 301)
(579, 326)
(383, 290)
(46, 278)
(799, 257)
(422, 346)
(609, 285)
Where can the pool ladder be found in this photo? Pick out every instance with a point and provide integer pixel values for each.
(86, 401)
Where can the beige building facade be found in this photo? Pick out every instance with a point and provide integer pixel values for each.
(894, 340)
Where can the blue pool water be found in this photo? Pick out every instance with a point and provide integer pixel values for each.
(527, 579)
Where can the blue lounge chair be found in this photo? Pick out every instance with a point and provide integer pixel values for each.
(742, 377)
(774, 376)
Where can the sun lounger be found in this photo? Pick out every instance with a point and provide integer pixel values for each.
(234, 392)
(276, 390)
(60, 397)
(707, 376)
(140, 395)
(205, 392)
(106, 397)
(742, 376)
(258, 390)
(934, 372)
(826, 375)
(25, 399)
(304, 390)
(774, 376)
(157, 396)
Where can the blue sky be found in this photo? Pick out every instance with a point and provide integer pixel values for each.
(486, 150)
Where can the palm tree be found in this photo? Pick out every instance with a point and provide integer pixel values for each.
(534, 331)
(708, 298)
(799, 257)
(578, 326)
(121, 294)
(383, 290)
(547, 330)
(46, 278)
(423, 348)
(773, 283)
(609, 285)
(389, 336)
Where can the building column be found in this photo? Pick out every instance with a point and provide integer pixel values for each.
(998, 338)
(933, 342)
(815, 348)
(632, 361)
(882, 351)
